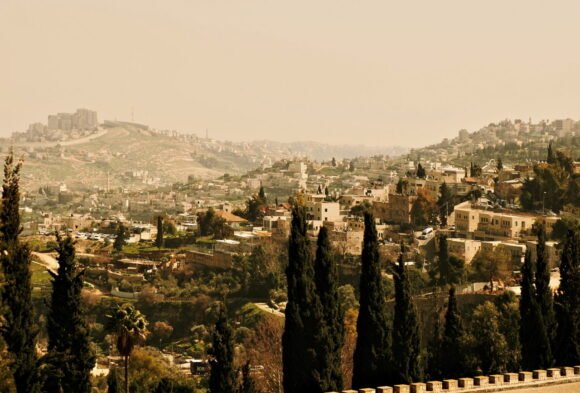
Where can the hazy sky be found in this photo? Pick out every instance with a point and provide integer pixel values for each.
(372, 72)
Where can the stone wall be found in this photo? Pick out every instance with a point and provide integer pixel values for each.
(491, 383)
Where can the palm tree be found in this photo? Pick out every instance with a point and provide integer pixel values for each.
(130, 327)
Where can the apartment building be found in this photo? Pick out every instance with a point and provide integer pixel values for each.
(482, 222)
(465, 249)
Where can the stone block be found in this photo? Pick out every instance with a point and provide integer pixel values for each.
(384, 389)
(450, 384)
(465, 383)
(567, 371)
(576, 370)
(349, 391)
(510, 378)
(401, 389)
(434, 386)
(553, 373)
(525, 376)
(540, 375)
(367, 390)
(481, 380)
(418, 387)
(496, 379)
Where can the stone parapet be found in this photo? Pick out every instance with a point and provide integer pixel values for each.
(450, 384)
(401, 389)
(465, 383)
(510, 378)
(540, 375)
(525, 376)
(434, 386)
(485, 383)
(481, 380)
(567, 371)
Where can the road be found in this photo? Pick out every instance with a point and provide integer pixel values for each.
(264, 307)
(46, 260)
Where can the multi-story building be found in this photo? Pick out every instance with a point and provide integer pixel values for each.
(466, 249)
(503, 223)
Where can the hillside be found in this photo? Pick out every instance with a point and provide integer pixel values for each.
(130, 154)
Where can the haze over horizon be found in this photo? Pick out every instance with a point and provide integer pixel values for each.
(328, 71)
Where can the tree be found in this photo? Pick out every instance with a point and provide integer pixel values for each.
(130, 327)
(162, 330)
(222, 378)
(331, 333)
(69, 343)
(447, 269)
(333, 161)
(302, 312)
(120, 239)
(567, 303)
(444, 203)
(256, 206)
(265, 348)
(18, 327)
(490, 345)
(543, 292)
(113, 381)
(248, 385)
(402, 185)
(209, 224)
(534, 341)
(421, 173)
(424, 209)
(452, 348)
(372, 355)
(159, 237)
(490, 265)
(499, 164)
(406, 338)
(509, 325)
(550, 157)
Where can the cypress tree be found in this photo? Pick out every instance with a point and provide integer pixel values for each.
(406, 338)
(445, 199)
(222, 377)
(247, 385)
(543, 292)
(302, 312)
(421, 172)
(452, 364)
(120, 239)
(18, 327)
(159, 237)
(113, 382)
(68, 333)
(550, 158)
(567, 303)
(534, 342)
(331, 333)
(372, 355)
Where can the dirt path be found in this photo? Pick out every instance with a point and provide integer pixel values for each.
(46, 260)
